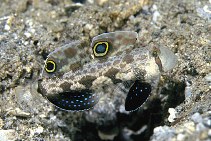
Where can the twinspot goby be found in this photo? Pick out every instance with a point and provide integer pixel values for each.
(75, 76)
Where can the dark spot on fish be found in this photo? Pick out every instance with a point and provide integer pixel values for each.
(129, 41)
(122, 65)
(87, 81)
(70, 52)
(99, 66)
(128, 59)
(141, 58)
(76, 66)
(119, 53)
(116, 62)
(93, 70)
(84, 71)
(108, 64)
(119, 37)
(52, 85)
(111, 73)
(66, 86)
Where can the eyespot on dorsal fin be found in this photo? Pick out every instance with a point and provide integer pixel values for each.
(69, 57)
(137, 95)
(109, 44)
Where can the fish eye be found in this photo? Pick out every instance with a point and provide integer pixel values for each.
(100, 49)
(50, 66)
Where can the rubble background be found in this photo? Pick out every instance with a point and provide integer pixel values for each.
(31, 29)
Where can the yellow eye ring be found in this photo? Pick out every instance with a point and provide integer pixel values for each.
(100, 49)
(50, 66)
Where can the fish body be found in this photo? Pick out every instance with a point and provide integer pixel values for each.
(75, 77)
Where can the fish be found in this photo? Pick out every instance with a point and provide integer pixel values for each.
(76, 76)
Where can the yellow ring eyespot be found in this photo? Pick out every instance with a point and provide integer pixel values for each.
(50, 66)
(100, 49)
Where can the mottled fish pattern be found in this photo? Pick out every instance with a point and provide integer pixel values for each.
(75, 76)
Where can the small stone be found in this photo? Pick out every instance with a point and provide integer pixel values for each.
(196, 118)
(203, 135)
(208, 77)
(207, 122)
(27, 34)
(181, 137)
(122, 110)
(39, 130)
(9, 23)
(88, 27)
(90, 1)
(188, 92)
(163, 133)
(209, 133)
(18, 112)
(21, 6)
(1, 123)
(190, 127)
(8, 135)
(200, 127)
(105, 136)
(101, 2)
(7, 27)
(172, 115)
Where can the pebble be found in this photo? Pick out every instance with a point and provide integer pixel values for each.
(39, 130)
(88, 27)
(27, 34)
(207, 78)
(203, 135)
(209, 133)
(189, 126)
(7, 27)
(196, 118)
(104, 136)
(205, 11)
(181, 137)
(101, 2)
(1, 123)
(172, 115)
(122, 110)
(18, 112)
(200, 127)
(90, 1)
(163, 133)
(8, 135)
(188, 91)
(207, 122)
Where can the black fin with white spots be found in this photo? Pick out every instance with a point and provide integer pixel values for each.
(75, 100)
(137, 95)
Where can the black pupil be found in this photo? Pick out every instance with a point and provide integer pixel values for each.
(50, 66)
(101, 48)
